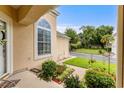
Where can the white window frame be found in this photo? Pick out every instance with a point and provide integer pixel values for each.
(37, 57)
(9, 46)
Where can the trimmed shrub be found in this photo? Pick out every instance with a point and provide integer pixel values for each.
(60, 69)
(104, 70)
(96, 79)
(75, 46)
(48, 70)
(72, 82)
(100, 69)
(65, 74)
(82, 84)
(91, 62)
(100, 51)
(113, 75)
(108, 49)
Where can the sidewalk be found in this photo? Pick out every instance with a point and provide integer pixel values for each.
(78, 70)
(97, 57)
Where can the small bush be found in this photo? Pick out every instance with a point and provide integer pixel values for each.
(60, 69)
(72, 82)
(104, 70)
(100, 51)
(65, 74)
(113, 75)
(96, 79)
(48, 70)
(91, 61)
(82, 84)
(100, 69)
(108, 49)
(73, 46)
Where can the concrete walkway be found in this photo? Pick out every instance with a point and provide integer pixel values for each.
(78, 70)
(30, 80)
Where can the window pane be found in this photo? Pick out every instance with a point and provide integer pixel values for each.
(40, 48)
(44, 23)
(44, 38)
(40, 34)
(44, 48)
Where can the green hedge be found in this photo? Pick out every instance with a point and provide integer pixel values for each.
(65, 74)
(60, 69)
(72, 82)
(48, 70)
(97, 79)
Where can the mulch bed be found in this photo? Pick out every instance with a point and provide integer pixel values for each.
(57, 80)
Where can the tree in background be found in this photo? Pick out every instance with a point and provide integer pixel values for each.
(90, 36)
(74, 39)
(107, 39)
(72, 34)
(102, 31)
(87, 37)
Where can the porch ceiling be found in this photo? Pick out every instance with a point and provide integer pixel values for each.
(15, 6)
(28, 14)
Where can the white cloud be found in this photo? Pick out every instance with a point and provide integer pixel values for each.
(62, 28)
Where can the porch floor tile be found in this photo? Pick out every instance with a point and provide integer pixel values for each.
(30, 80)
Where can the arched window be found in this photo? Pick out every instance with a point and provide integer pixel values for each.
(43, 37)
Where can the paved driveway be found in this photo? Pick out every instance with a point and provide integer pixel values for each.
(97, 57)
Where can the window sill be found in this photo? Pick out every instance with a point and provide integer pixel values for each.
(4, 75)
(42, 56)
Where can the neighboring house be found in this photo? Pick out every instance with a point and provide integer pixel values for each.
(62, 46)
(114, 46)
(31, 37)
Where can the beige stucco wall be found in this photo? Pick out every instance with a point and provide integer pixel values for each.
(62, 48)
(24, 44)
(23, 41)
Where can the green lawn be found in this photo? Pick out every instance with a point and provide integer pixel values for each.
(88, 51)
(83, 62)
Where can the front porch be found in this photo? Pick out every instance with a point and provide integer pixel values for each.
(30, 80)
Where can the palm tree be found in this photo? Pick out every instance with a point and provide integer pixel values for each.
(107, 40)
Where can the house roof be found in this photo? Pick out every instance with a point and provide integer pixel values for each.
(59, 34)
(55, 12)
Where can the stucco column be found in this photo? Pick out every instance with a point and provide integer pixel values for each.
(120, 56)
(54, 42)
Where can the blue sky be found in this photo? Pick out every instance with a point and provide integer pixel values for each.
(77, 15)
